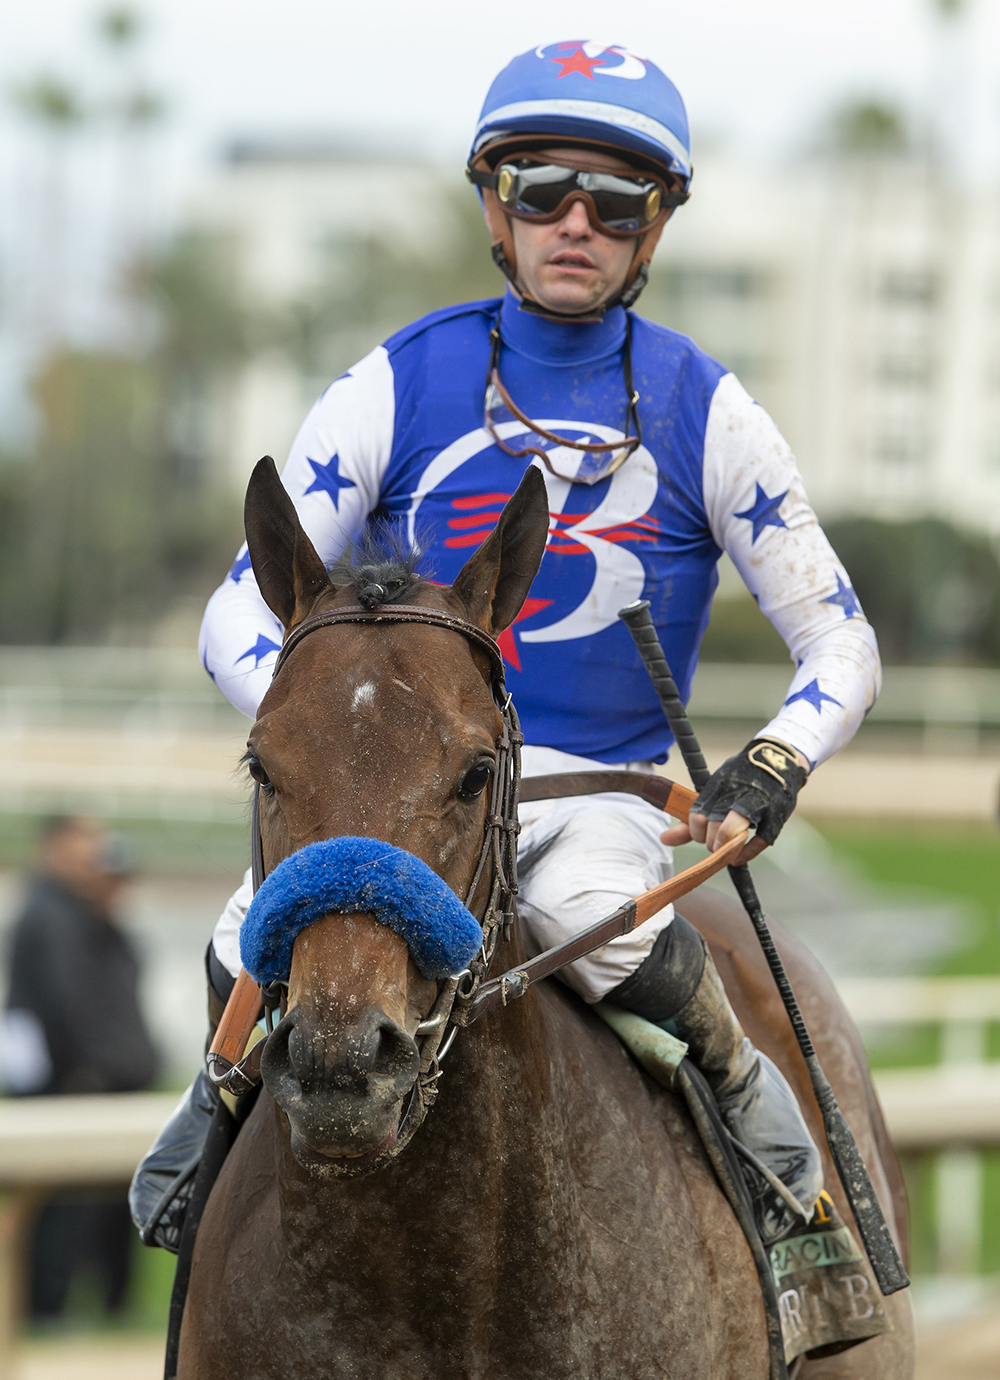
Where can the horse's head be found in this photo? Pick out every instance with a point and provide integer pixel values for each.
(381, 731)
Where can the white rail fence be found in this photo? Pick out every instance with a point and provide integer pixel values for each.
(166, 687)
(141, 732)
(952, 1109)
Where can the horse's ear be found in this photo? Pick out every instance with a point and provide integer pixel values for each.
(494, 583)
(290, 575)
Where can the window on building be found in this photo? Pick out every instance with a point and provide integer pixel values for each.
(907, 287)
(900, 448)
(906, 369)
(733, 281)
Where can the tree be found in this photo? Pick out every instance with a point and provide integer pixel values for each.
(57, 110)
(931, 591)
(115, 515)
(868, 127)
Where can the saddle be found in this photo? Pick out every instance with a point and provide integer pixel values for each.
(818, 1282)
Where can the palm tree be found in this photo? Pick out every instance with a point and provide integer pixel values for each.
(57, 110)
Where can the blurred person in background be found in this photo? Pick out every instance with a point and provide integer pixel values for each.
(73, 1025)
(656, 461)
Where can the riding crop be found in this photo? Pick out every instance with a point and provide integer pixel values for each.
(850, 1166)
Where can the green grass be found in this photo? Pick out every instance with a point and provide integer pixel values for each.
(957, 861)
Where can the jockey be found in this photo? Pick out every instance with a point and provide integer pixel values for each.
(580, 156)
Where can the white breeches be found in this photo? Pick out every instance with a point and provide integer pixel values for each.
(593, 854)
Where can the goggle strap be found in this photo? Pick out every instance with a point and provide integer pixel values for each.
(482, 179)
(632, 411)
(633, 424)
(552, 436)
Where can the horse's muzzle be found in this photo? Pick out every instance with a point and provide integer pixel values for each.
(343, 1093)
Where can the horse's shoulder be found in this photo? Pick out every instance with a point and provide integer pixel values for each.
(602, 1073)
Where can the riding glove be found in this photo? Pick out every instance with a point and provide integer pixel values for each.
(760, 783)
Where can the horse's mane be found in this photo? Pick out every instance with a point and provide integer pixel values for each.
(380, 566)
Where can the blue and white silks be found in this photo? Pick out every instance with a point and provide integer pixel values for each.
(399, 438)
(357, 874)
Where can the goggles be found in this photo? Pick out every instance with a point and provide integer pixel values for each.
(579, 462)
(619, 206)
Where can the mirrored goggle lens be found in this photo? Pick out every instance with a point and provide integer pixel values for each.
(576, 466)
(625, 204)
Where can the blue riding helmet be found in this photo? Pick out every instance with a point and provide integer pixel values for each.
(586, 91)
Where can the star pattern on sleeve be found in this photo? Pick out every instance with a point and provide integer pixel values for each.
(260, 649)
(813, 695)
(845, 597)
(328, 479)
(239, 565)
(764, 512)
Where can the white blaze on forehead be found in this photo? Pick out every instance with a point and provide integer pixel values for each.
(364, 694)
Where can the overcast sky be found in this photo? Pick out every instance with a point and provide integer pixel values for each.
(758, 73)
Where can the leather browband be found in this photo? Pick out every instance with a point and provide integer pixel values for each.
(396, 613)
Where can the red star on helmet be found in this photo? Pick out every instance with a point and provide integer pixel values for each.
(578, 62)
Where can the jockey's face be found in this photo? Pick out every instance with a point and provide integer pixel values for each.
(566, 264)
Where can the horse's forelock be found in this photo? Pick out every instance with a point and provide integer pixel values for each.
(380, 566)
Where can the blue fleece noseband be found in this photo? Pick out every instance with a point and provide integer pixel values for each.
(357, 874)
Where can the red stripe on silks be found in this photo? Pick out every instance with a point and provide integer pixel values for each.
(479, 500)
(609, 534)
(475, 520)
(573, 548)
(506, 643)
(470, 538)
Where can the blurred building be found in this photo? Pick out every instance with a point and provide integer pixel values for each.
(857, 298)
(859, 301)
(293, 214)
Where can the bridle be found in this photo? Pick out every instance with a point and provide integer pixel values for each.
(499, 848)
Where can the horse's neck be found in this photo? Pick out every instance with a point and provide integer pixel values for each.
(496, 1108)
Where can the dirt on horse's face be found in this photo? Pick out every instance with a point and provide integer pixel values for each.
(381, 731)
(367, 731)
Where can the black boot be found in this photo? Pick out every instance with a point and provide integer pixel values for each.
(677, 986)
(162, 1185)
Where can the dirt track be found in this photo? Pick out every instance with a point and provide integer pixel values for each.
(968, 1349)
(964, 1350)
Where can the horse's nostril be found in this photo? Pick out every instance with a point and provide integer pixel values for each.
(396, 1053)
(374, 1049)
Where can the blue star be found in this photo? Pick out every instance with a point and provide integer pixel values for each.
(813, 695)
(845, 597)
(328, 479)
(764, 512)
(260, 649)
(239, 565)
(204, 662)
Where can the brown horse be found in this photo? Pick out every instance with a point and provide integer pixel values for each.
(555, 1218)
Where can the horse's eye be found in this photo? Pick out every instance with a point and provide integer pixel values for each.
(475, 780)
(256, 769)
